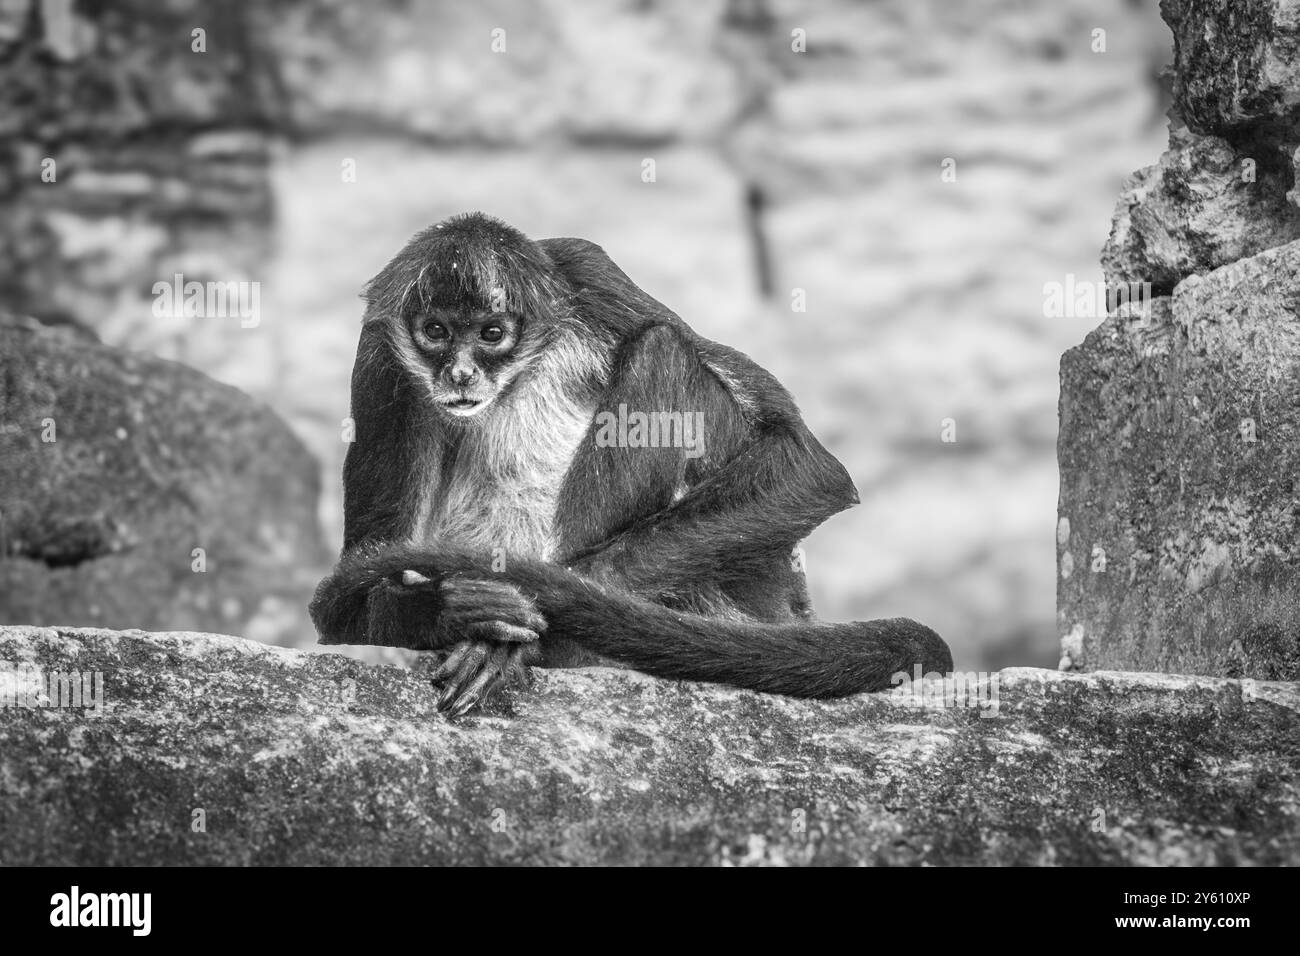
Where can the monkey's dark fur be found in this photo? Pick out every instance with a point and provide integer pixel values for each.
(679, 566)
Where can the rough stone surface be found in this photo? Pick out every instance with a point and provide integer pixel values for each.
(1204, 205)
(301, 758)
(1179, 451)
(115, 466)
(1235, 63)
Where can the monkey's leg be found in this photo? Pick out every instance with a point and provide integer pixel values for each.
(758, 505)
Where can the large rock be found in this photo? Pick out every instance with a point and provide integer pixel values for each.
(1179, 524)
(1204, 205)
(214, 750)
(115, 467)
(1236, 62)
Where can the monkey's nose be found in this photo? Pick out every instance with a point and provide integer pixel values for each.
(462, 375)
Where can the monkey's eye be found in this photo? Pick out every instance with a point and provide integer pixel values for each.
(435, 331)
(492, 333)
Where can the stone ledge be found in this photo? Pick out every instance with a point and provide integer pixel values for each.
(312, 758)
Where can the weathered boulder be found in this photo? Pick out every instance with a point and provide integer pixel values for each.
(116, 467)
(1204, 205)
(1235, 64)
(216, 750)
(1179, 518)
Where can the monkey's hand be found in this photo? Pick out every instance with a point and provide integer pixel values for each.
(483, 610)
(495, 629)
(408, 609)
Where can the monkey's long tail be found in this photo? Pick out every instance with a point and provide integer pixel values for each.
(799, 658)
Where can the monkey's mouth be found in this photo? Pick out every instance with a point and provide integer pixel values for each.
(464, 406)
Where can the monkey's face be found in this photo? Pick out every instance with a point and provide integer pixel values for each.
(472, 356)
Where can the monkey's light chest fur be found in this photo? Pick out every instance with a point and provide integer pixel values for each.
(503, 488)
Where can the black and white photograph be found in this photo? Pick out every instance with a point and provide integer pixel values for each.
(649, 433)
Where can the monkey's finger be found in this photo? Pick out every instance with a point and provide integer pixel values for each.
(452, 663)
(468, 601)
(489, 599)
(484, 684)
(462, 706)
(478, 682)
(501, 631)
(460, 591)
(464, 673)
(469, 667)
(412, 578)
(485, 628)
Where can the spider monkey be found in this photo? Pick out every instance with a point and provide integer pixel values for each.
(492, 507)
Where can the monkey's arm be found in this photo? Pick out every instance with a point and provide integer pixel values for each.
(801, 658)
(761, 485)
(367, 601)
(394, 454)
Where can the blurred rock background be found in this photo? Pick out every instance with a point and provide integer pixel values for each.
(310, 138)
